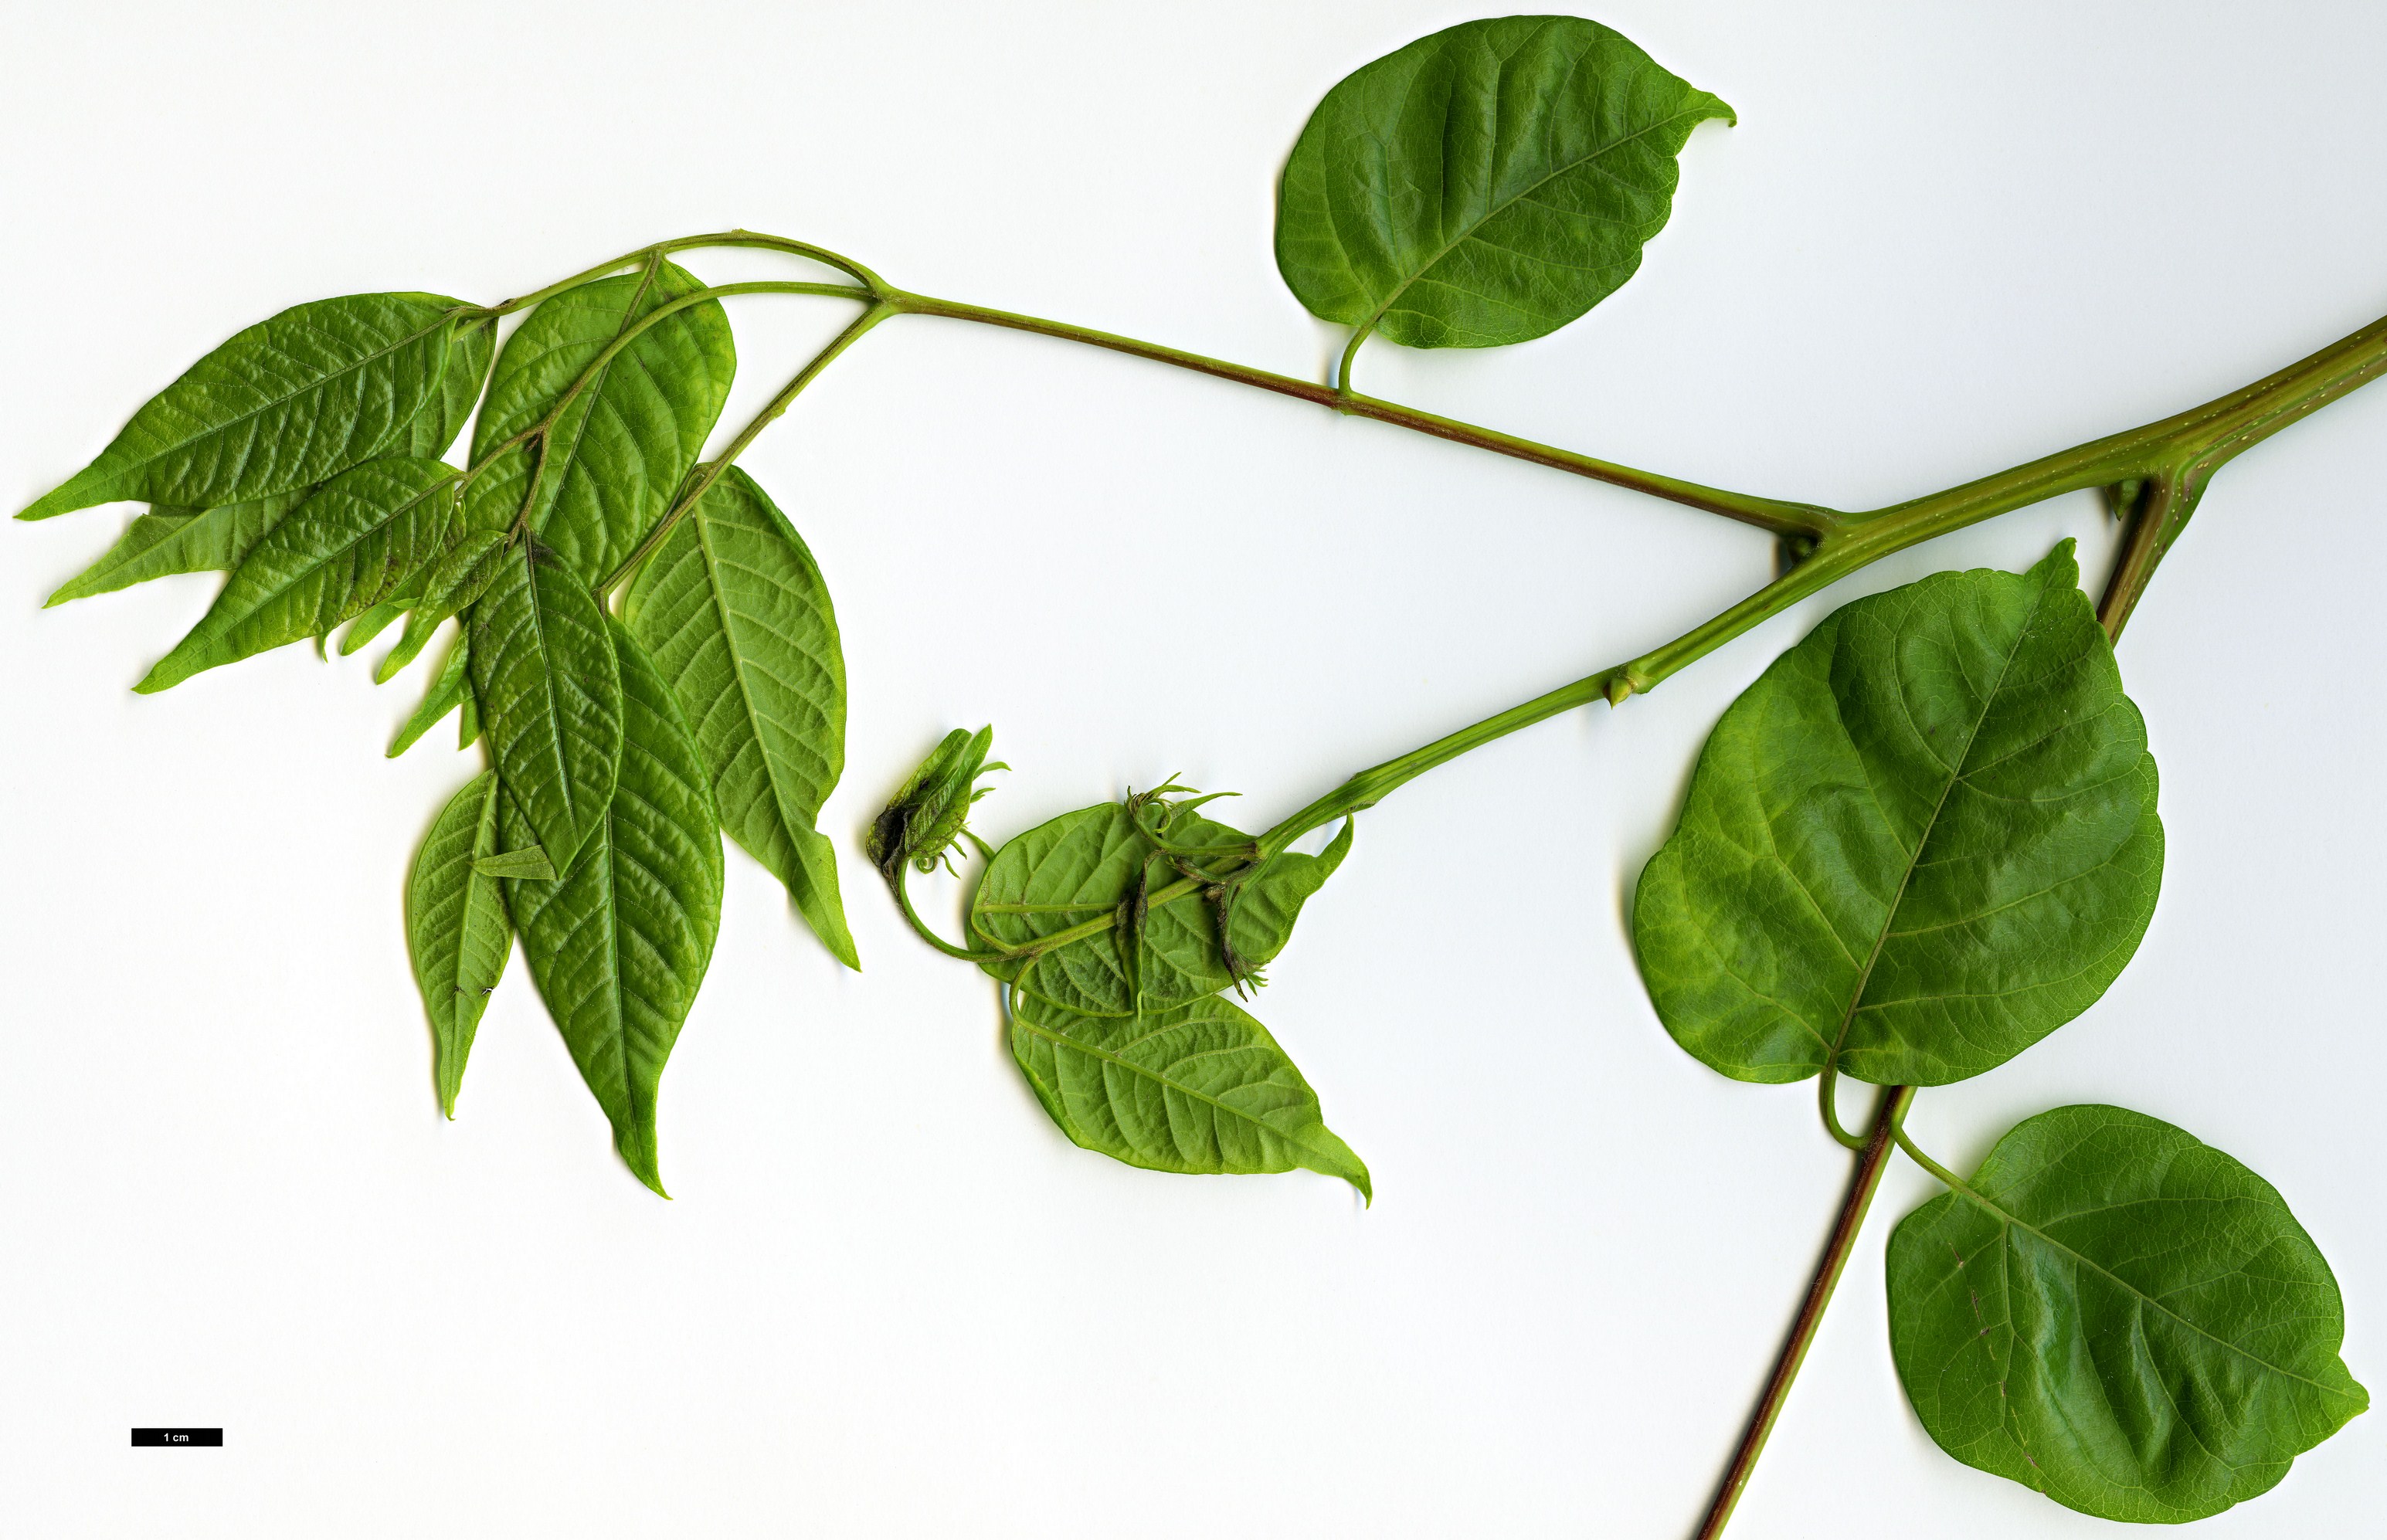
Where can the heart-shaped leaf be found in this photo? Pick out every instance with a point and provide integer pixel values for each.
(737, 618)
(619, 944)
(610, 462)
(292, 401)
(456, 925)
(1200, 1088)
(1924, 839)
(1484, 185)
(2120, 1316)
(550, 691)
(335, 556)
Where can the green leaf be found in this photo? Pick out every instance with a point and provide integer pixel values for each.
(166, 542)
(1484, 185)
(471, 349)
(2120, 1316)
(374, 622)
(340, 552)
(1084, 865)
(550, 691)
(1924, 839)
(619, 945)
(456, 925)
(449, 586)
(529, 864)
(289, 402)
(738, 620)
(451, 688)
(1200, 1088)
(617, 454)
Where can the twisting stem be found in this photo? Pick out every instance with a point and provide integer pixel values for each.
(1870, 1163)
(900, 881)
(1827, 1096)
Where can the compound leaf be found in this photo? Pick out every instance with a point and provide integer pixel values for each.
(619, 944)
(455, 927)
(2120, 1316)
(1924, 839)
(602, 474)
(550, 690)
(1487, 185)
(291, 401)
(737, 618)
(335, 556)
(1200, 1088)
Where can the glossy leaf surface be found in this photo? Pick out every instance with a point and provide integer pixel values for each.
(1199, 1088)
(1089, 864)
(334, 557)
(1487, 185)
(457, 928)
(292, 401)
(550, 690)
(737, 616)
(2120, 1316)
(1925, 839)
(620, 943)
(616, 456)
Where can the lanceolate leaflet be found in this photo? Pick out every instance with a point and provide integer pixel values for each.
(1927, 837)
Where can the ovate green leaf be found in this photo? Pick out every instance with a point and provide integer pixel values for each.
(339, 553)
(1200, 1088)
(550, 691)
(738, 620)
(619, 944)
(165, 542)
(1924, 839)
(453, 687)
(2119, 1316)
(287, 403)
(608, 466)
(1487, 185)
(1087, 864)
(456, 925)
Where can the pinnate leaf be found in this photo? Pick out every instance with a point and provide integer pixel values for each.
(1487, 185)
(619, 944)
(550, 691)
(610, 465)
(737, 616)
(456, 926)
(1199, 1088)
(336, 555)
(292, 401)
(2121, 1316)
(1924, 839)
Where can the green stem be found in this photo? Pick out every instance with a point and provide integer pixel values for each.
(1828, 1098)
(870, 280)
(901, 883)
(1872, 1159)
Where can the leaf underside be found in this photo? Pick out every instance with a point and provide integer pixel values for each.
(457, 928)
(1199, 1089)
(167, 542)
(1487, 185)
(549, 688)
(737, 618)
(1924, 839)
(450, 688)
(2120, 1316)
(619, 944)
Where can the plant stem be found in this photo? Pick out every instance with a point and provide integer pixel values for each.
(1862, 1186)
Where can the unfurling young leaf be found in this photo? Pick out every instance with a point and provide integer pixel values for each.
(1165, 950)
(452, 689)
(2120, 1316)
(617, 454)
(549, 693)
(335, 556)
(456, 925)
(292, 401)
(166, 542)
(1484, 185)
(618, 945)
(737, 616)
(928, 817)
(1199, 1088)
(1924, 839)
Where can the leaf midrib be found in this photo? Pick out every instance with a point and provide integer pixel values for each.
(1062, 1041)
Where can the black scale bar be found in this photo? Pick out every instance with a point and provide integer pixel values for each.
(178, 1438)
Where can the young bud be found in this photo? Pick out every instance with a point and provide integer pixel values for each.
(928, 816)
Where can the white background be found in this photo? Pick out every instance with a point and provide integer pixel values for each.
(890, 1300)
